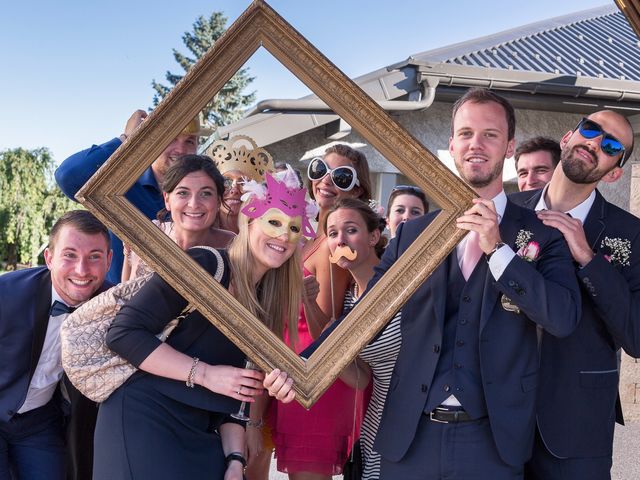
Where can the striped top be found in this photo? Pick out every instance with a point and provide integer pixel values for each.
(381, 356)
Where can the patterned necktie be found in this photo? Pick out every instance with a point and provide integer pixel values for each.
(471, 255)
(59, 308)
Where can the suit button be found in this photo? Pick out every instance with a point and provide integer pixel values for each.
(424, 388)
(436, 348)
(459, 389)
(460, 343)
(458, 366)
(511, 283)
(585, 280)
(447, 388)
(463, 321)
(466, 299)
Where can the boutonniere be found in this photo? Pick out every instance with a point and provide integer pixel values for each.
(619, 250)
(527, 250)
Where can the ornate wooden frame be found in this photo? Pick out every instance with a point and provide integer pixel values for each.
(631, 9)
(259, 26)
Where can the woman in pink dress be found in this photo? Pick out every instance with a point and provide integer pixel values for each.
(314, 444)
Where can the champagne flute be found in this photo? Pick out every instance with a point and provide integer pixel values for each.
(240, 414)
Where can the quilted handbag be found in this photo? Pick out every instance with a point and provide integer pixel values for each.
(92, 368)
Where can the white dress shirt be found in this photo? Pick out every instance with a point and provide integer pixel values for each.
(579, 212)
(49, 369)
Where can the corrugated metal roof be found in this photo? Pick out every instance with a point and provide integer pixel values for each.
(597, 43)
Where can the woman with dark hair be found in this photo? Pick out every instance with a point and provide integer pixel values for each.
(314, 444)
(406, 202)
(172, 419)
(192, 190)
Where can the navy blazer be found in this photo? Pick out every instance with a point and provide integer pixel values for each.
(578, 394)
(547, 293)
(25, 302)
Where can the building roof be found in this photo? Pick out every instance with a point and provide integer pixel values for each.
(592, 55)
(597, 43)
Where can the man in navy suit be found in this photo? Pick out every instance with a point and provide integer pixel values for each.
(145, 194)
(578, 400)
(33, 304)
(461, 402)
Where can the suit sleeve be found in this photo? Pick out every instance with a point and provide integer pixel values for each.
(76, 170)
(133, 332)
(615, 294)
(546, 291)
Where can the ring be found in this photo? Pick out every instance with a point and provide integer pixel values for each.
(238, 392)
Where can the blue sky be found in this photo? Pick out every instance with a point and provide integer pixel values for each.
(73, 71)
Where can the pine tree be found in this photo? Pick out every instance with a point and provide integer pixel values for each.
(229, 103)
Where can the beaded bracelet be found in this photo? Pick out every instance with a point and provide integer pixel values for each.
(192, 373)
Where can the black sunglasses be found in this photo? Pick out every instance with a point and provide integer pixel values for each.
(344, 178)
(609, 144)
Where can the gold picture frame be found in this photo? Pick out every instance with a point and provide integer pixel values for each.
(259, 26)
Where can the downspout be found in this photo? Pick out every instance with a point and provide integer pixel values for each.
(427, 87)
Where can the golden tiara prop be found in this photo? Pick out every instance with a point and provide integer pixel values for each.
(233, 154)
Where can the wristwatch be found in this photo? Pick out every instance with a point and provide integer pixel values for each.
(498, 244)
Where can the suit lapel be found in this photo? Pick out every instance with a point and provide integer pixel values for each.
(508, 231)
(41, 319)
(594, 223)
(532, 201)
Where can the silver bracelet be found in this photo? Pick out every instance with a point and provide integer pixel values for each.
(192, 373)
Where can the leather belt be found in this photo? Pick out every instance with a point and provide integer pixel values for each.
(443, 415)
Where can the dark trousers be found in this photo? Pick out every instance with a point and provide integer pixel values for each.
(464, 450)
(32, 444)
(80, 427)
(545, 466)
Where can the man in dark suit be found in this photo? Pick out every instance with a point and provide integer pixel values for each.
(461, 400)
(33, 304)
(578, 400)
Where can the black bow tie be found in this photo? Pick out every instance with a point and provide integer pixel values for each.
(59, 308)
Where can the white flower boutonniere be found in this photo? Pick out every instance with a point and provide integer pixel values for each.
(620, 250)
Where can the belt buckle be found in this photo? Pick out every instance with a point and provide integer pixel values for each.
(433, 419)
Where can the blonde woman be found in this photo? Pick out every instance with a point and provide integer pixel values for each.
(172, 418)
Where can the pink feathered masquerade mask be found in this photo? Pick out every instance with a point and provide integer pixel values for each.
(284, 193)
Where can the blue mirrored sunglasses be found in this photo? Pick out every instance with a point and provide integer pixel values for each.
(609, 144)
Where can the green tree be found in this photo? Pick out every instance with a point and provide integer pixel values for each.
(30, 202)
(229, 103)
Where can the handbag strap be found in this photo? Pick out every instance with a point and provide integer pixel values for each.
(220, 269)
(220, 261)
